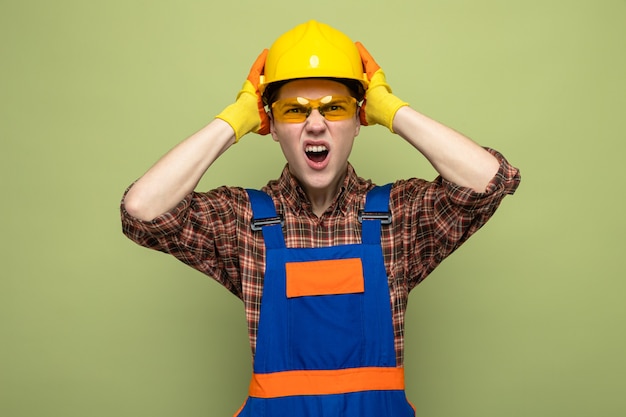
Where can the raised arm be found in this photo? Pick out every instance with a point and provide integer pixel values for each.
(456, 158)
(178, 172)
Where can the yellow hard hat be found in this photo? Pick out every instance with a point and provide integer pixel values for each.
(313, 50)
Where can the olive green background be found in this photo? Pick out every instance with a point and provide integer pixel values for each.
(526, 319)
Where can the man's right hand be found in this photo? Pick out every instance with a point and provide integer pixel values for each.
(247, 114)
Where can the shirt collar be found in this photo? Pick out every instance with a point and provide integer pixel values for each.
(297, 201)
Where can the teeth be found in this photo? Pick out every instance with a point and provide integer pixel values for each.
(318, 148)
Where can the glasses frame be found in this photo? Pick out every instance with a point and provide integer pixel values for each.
(311, 104)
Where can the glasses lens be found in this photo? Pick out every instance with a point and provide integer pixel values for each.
(297, 109)
(339, 108)
(291, 110)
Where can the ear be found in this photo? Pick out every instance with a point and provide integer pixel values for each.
(272, 127)
(357, 128)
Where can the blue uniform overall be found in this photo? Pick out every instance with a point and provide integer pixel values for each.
(325, 341)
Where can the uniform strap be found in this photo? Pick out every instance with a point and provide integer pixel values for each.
(375, 213)
(265, 219)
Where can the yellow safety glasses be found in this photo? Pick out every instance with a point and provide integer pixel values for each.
(297, 109)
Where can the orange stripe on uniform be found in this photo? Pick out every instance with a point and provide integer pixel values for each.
(327, 277)
(326, 382)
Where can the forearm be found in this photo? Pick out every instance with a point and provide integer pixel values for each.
(456, 158)
(178, 172)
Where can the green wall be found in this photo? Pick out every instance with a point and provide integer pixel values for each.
(526, 319)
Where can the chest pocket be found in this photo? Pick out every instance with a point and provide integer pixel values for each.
(325, 277)
(326, 320)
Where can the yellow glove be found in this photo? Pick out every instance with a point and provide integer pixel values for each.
(247, 113)
(380, 106)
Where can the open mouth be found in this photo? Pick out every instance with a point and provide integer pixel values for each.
(316, 153)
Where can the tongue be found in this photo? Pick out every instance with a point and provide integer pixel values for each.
(317, 156)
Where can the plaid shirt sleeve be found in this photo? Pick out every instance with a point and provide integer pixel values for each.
(201, 231)
(439, 216)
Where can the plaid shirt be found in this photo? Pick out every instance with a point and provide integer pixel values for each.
(211, 231)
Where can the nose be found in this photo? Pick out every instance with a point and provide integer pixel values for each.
(315, 123)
